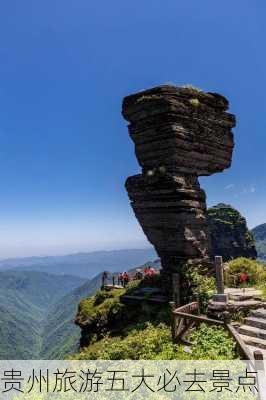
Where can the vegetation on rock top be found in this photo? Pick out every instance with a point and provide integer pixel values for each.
(229, 234)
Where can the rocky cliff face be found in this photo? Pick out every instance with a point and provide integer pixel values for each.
(229, 234)
(259, 234)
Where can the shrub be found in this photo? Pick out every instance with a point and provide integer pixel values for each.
(153, 342)
(235, 268)
(100, 296)
(201, 286)
(99, 305)
(132, 285)
(145, 342)
(205, 287)
(212, 343)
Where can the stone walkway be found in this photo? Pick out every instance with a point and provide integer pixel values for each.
(150, 294)
(253, 331)
(238, 300)
(243, 294)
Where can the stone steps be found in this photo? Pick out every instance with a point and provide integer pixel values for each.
(253, 341)
(241, 297)
(256, 322)
(252, 331)
(245, 304)
(259, 313)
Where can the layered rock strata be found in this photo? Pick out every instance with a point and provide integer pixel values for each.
(179, 134)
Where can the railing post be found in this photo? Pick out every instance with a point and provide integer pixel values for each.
(176, 289)
(173, 321)
(219, 274)
(219, 271)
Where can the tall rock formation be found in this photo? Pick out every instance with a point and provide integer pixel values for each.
(179, 134)
(230, 237)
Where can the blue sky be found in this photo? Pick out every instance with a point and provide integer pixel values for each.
(64, 148)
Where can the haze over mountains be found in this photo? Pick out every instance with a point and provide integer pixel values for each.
(85, 265)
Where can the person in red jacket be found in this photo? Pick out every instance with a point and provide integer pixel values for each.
(125, 278)
(149, 272)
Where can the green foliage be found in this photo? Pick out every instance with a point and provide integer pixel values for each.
(26, 298)
(132, 285)
(212, 343)
(240, 315)
(205, 287)
(146, 334)
(252, 268)
(229, 234)
(100, 296)
(153, 342)
(202, 285)
(97, 319)
(145, 342)
(100, 306)
(60, 336)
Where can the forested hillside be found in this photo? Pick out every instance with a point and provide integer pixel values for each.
(60, 334)
(25, 298)
(37, 309)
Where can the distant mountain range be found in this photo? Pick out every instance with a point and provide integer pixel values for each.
(60, 334)
(25, 301)
(37, 307)
(259, 234)
(85, 265)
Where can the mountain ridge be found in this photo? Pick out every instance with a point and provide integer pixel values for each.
(25, 298)
(85, 265)
(259, 233)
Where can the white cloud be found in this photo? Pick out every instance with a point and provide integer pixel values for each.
(252, 189)
(230, 186)
(249, 189)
